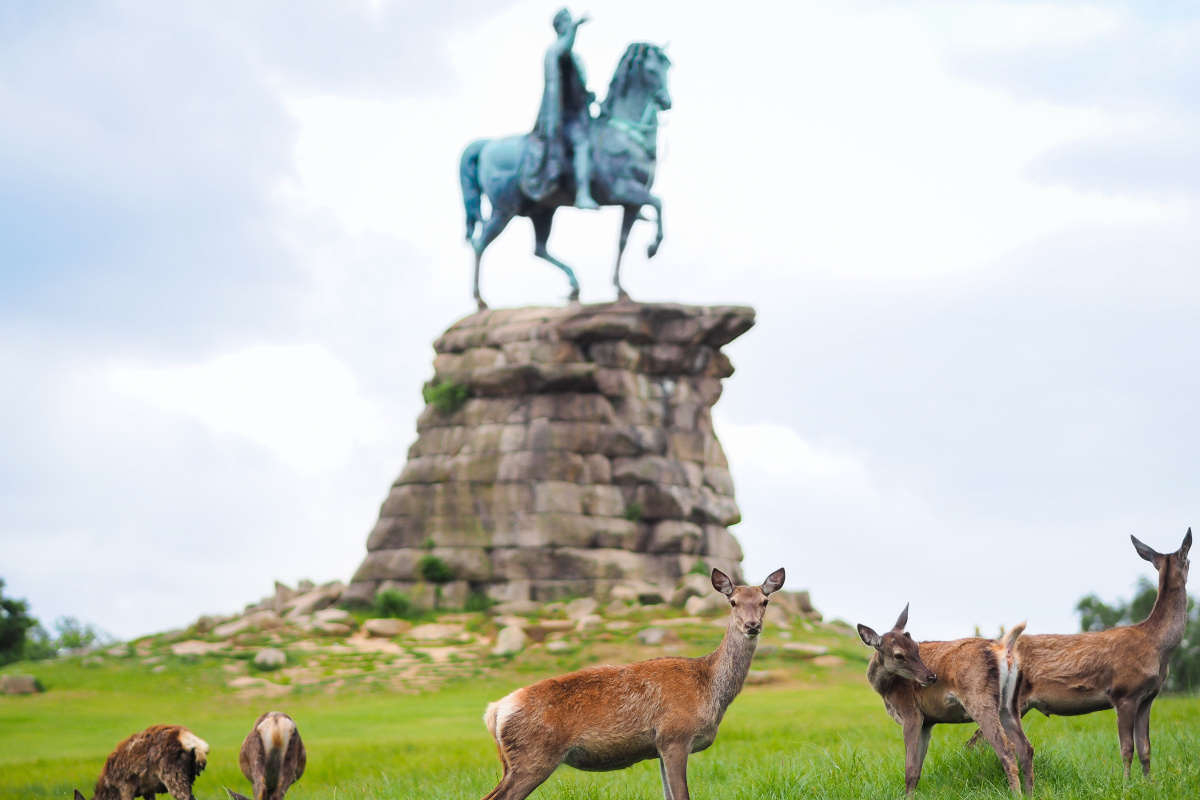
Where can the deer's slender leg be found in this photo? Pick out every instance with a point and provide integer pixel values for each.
(1127, 708)
(630, 217)
(914, 728)
(519, 782)
(662, 771)
(674, 757)
(989, 723)
(1016, 735)
(542, 222)
(1141, 734)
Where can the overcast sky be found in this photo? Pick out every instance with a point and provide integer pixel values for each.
(230, 231)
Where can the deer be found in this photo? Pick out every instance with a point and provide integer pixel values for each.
(975, 680)
(163, 759)
(272, 757)
(1122, 668)
(607, 718)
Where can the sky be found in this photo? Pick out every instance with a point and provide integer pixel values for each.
(230, 231)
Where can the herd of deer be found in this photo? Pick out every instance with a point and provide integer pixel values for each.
(610, 717)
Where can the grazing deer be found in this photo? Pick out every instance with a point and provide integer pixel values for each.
(1121, 668)
(163, 759)
(607, 718)
(975, 679)
(272, 757)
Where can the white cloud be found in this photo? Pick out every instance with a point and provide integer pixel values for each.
(299, 401)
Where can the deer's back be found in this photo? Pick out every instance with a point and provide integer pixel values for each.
(1069, 674)
(968, 670)
(608, 717)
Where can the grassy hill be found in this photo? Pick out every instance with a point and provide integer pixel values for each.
(403, 720)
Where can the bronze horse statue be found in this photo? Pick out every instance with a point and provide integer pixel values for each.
(623, 157)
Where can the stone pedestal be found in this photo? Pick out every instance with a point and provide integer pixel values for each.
(564, 451)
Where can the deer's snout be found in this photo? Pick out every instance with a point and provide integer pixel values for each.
(930, 679)
(752, 628)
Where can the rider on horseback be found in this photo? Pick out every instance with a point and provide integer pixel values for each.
(563, 122)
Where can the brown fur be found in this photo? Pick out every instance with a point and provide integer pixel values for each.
(155, 761)
(272, 757)
(1121, 668)
(963, 680)
(607, 718)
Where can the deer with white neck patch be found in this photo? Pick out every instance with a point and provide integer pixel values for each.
(607, 718)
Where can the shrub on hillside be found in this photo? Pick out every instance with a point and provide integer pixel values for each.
(393, 603)
(434, 570)
(447, 396)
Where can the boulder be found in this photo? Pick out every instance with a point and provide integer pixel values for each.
(270, 658)
(335, 615)
(386, 628)
(691, 585)
(580, 454)
(509, 641)
(654, 637)
(20, 684)
(706, 605)
(578, 609)
(805, 650)
(433, 632)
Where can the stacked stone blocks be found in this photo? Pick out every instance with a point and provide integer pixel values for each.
(583, 457)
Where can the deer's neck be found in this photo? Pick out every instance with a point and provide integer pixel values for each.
(731, 663)
(877, 675)
(1169, 615)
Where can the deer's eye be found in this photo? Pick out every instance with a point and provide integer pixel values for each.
(899, 656)
(733, 603)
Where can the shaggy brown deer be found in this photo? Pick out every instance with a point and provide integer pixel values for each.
(607, 718)
(949, 682)
(163, 759)
(272, 758)
(1121, 668)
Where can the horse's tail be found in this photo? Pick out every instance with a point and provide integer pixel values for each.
(468, 173)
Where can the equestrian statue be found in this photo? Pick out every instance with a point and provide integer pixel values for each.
(572, 158)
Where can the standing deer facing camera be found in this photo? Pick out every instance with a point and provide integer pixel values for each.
(607, 718)
(1122, 668)
(975, 679)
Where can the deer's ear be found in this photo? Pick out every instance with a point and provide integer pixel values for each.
(722, 583)
(902, 620)
(870, 638)
(1146, 551)
(774, 582)
(1187, 544)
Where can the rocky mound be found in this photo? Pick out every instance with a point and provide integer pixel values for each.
(563, 452)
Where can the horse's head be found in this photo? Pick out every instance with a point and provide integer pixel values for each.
(641, 77)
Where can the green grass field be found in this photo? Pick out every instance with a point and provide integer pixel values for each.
(816, 733)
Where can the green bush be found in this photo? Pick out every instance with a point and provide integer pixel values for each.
(1096, 615)
(434, 570)
(478, 601)
(446, 396)
(15, 622)
(633, 512)
(700, 568)
(393, 603)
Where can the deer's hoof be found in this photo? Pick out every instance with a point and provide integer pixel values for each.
(482, 305)
(652, 250)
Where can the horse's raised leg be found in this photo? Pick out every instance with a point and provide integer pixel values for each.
(658, 237)
(631, 216)
(495, 224)
(542, 222)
